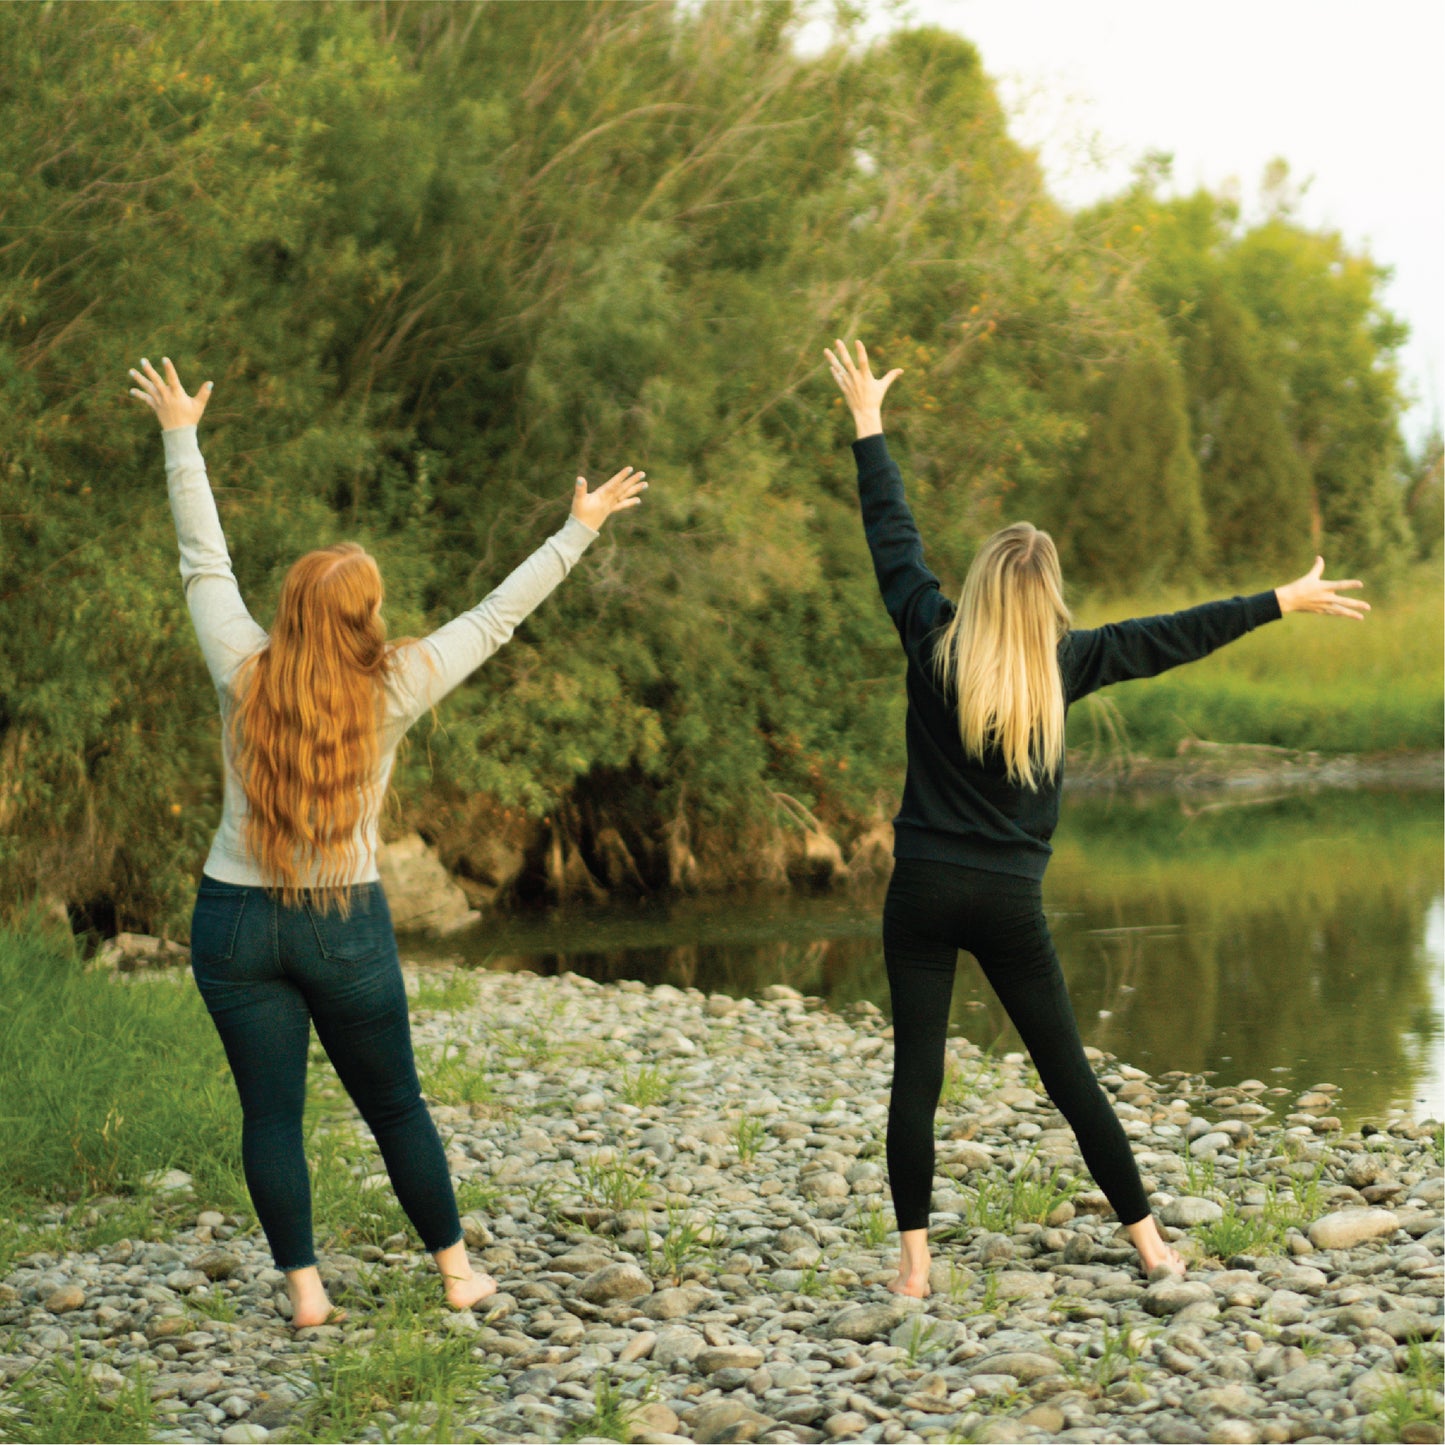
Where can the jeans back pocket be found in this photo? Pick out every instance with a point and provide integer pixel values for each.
(362, 935)
(216, 922)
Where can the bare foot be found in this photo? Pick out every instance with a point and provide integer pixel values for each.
(462, 1294)
(1154, 1253)
(464, 1286)
(913, 1265)
(912, 1285)
(309, 1302)
(1169, 1260)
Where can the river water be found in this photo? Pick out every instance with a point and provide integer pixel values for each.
(1297, 940)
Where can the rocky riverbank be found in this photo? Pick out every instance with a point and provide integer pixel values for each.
(684, 1200)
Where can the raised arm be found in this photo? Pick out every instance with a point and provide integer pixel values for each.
(227, 632)
(910, 591)
(1146, 646)
(429, 669)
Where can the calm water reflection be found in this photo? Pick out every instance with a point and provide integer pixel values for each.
(1295, 940)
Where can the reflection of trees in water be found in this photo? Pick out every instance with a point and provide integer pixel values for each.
(1290, 939)
(1288, 935)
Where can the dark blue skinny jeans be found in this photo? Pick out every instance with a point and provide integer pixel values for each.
(267, 972)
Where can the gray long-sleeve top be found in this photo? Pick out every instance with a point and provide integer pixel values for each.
(422, 672)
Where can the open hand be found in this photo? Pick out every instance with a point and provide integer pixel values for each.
(167, 397)
(614, 495)
(1313, 593)
(863, 391)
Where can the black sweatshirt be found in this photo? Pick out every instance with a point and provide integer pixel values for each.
(960, 809)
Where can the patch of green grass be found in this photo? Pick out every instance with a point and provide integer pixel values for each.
(446, 992)
(347, 1211)
(449, 1078)
(990, 1302)
(919, 1340)
(408, 1363)
(215, 1304)
(1117, 1359)
(20, 1237)
(684, 1242)
(748, 1134)
(645, 1086)
(611, 1417)
(60, 1401)
(476, 1197)
(873, 1226)
(86, 1109)
(1415, 1400)
(538, 1042)
(139, 1217)
(999, 1202)
(959, 1282)
(813, 1283)
(1300, 1206)
(1199, 1174)
(1264, 1232)
(1234, 1234)
(613, 1183)
(957, 1084)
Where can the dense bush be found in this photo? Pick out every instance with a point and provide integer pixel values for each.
(440, 258)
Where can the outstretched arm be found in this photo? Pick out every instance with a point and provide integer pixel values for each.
(227, 632)
(1146, 646)
(429, 669)
(910, 591)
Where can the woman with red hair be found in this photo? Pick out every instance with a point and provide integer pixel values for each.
(291, 925)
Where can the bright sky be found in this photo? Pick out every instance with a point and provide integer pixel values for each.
(1349, 94)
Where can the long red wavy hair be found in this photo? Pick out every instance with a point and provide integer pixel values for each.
(306, 724)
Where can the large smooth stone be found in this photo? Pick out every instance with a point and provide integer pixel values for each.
(420, 893)
(1346, 1228)
(677, 1342)
(869, 1321)
(1188, 1212)
(1169, 1296)
(614, 1284)
(728, 1357)
(672, 1304)
(727, 1420)
(1025, 1366)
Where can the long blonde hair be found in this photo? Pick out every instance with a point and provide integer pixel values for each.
(307, 720)
(1000, 654)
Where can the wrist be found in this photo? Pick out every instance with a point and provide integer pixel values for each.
(868, 423)
(1283, 596)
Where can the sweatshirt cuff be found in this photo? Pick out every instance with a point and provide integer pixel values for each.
(1262, 607)
(181, 446)
(870, 452)
(576, 537)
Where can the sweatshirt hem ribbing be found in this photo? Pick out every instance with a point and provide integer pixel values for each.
(910, 841)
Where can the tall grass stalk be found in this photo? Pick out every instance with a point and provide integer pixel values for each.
(104, 1082)
(436, 1380)
(60, 1401)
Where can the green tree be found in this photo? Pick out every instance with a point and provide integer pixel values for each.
(1135, 512)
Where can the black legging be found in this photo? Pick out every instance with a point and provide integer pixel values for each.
(932, 911)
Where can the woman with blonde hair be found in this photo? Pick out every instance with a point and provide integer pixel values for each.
(989, 683)
(291, 924)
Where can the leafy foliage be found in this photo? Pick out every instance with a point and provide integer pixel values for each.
(439, 259)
